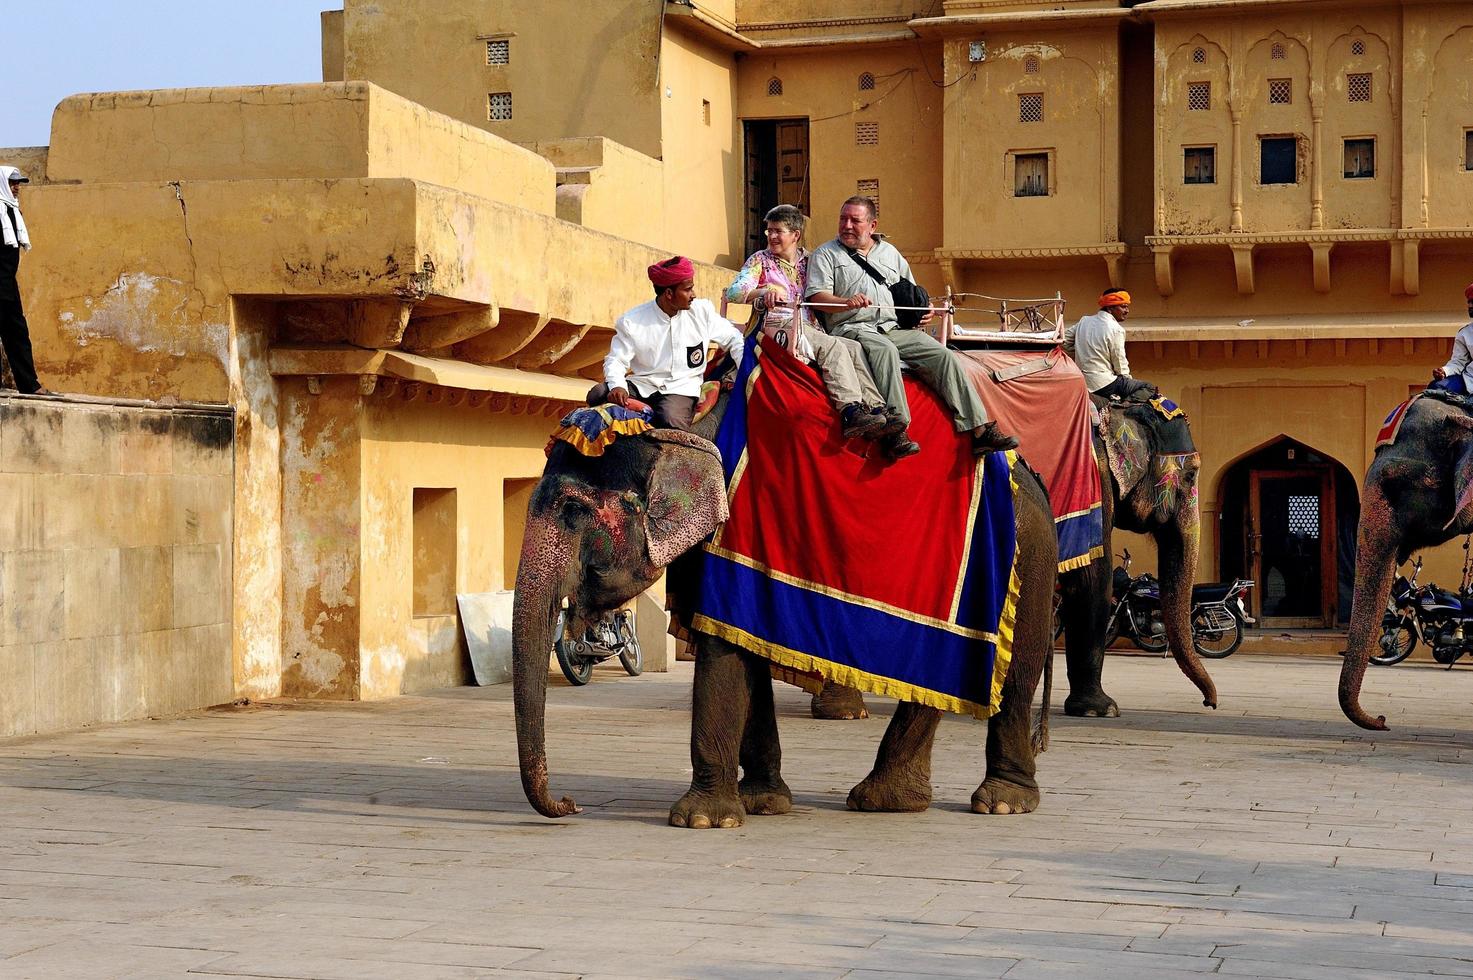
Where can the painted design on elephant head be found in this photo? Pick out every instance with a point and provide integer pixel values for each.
(1176, 483)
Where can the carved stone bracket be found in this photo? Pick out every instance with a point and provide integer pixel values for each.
(377, 324)
(1163, 254)
(1322, 252)
(1243, 268)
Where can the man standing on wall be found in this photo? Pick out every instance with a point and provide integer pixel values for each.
(1457, 374)
(837, 276)
(15, 333)
(1097, 344)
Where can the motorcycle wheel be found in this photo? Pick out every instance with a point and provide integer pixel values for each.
(631, 656)
(1216, 639)
(578, 670)
(1396, 643)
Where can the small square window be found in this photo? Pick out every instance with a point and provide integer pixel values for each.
(1358, 87)
(1280, 91)
(706, 111)
(1030, 107)
(1468, 149)
(867, 82)
(1199, 96)
(1357, 48)
(1278, 160)
(498, 52)
(1199, 56)
(1276, 52)
(1199, 165)
(1030, 175)
(1030, 65)
(1360, 158)
(774, 86)
(870, 188)
(867, 134)
(498, 106)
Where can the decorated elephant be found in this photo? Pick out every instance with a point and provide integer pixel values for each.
(1418, 493)
(601, 528)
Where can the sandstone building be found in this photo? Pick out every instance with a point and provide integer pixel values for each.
(397, 279)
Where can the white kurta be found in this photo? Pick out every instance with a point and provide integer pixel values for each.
(1462, 359)
(1097, 344)
(667, 355)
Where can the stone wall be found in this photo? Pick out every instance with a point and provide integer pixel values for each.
(115, 561)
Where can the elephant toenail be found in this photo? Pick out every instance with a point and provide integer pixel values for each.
(676, 820)
(700, 822)
(1002, 808)
(729, 822)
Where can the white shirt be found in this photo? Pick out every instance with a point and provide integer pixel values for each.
(664, 354)
(1097, 344)
(1462, 360)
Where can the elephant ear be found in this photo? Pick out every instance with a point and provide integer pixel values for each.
(1127, 449)
(1462, 491)
(686, 495)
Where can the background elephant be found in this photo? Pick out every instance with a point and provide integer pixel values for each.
(1149, 476)
(1418, 493)
(600, 530)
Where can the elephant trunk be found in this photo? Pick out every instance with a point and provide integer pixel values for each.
(1374, 568)
(546, 550)
(1176, 548)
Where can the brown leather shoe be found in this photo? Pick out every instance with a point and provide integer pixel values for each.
(900, 446)
(859, 423)
(989, 439)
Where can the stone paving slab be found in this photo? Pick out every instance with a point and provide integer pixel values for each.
(1269, 838)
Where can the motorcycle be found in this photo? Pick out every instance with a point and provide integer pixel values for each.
(1437, 617)
(1219, 610)
(611, 636)
(1136, 613)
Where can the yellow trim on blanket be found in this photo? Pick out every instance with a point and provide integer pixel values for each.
(979, 472)
(1079, 561)
(851, 598)
(575, 437)
(1079, 513)
(1008, 621)
(848, 676)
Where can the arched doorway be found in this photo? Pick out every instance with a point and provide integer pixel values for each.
(1288, 521)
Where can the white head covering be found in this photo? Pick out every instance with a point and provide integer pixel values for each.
(15, 235)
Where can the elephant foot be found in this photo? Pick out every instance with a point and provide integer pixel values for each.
(702, 811)
(838, 703)
(1097, 705)
(765, 797)
(895, 794)
(999, 796)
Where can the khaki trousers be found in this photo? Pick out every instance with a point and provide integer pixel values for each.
(840, 361)
(888, 353)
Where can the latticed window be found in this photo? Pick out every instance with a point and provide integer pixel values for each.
(1199, 165)
(1030, 107)
(1199, 56)
(1030, 65)
(1199, 96)
(1358, 87)
(1030, 175)
(870, 188)
(867, 134)
(1360, 158)
(1277, 52)
(498, 106)
(1280, 91)
(1357, 48)
(867, 82)
(1304, 516)
(774, 86)
(498, 52)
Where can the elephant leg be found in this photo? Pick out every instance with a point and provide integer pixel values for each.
(1010, 785)
(838, 703)
(762, 788)
(901, 779)
(1086, 610)
(719, 710)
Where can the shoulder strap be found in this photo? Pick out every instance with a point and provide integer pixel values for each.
(873, 273)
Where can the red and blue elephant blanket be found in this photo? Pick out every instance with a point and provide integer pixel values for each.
(895, 578)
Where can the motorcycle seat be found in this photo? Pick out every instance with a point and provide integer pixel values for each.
(1211, 592)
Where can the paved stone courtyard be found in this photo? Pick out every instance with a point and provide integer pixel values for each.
(1268, 838)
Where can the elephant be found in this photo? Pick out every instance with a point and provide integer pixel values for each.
(600, 530)
(1418, 493)
(1150, 489)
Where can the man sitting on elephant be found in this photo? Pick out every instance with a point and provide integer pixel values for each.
(1097, 345)
(1456, 375)
(659, 350)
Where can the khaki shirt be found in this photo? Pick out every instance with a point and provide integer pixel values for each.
(831, 270)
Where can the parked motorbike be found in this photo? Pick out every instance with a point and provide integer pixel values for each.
(1435, 616)
(1136, 613)
(1219, 611)
(612, 636)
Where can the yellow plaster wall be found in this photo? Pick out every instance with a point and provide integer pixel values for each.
(332, 46)
(1078, 75)
(823, 86)
(1441, 106)
(607, 187)
(603, 82)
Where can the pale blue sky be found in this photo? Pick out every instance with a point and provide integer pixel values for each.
(56, 48)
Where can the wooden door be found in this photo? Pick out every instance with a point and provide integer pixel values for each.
(1291, 546)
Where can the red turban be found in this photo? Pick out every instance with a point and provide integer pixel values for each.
(1115, 297)
(1469, 292)
(672, 272)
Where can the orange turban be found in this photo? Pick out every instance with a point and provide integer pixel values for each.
(672, 272)
(1115, 297)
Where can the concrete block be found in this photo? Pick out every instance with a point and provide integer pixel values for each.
(201, 658)
(144, 444)
(92, 593)
(30, 439)
(203, 444)
(32, 607)
(122, 693)
(89, 441)
(18, 684)
(200, 585)
(144, 504)
(20, 514)
(201, 509)
(146, 589)
(153, 653)
(67, 682)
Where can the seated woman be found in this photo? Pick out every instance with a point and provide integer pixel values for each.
(772, 280)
